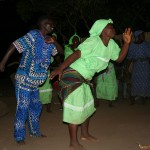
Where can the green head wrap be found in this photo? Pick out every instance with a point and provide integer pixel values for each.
(98, 26)
(70, 40)
(54, 34)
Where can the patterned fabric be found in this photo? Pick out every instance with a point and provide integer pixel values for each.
(140, 79)
(28, 109)
(70, 81)
(78, 104)
(35, 58)
(31, 72)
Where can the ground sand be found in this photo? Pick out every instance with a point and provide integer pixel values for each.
(122, 127)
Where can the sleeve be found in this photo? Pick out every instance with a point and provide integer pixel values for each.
(27, 40)
(115, 50)
(87, 46)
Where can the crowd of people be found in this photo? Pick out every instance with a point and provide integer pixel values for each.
(85, 75)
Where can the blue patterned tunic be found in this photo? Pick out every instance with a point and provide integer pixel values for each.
(140, 80)
(31, 72)
(35, 58)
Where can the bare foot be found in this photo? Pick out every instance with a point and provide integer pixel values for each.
(89, 138)
(77, 147)
(21, 142)
(40, 136)
(43, 136)
(144, 147)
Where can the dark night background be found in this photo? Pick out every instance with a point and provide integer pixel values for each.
(12, 25)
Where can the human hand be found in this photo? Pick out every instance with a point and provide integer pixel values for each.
(127, 35)
(2, 67)
(56, 72)
(49, 40)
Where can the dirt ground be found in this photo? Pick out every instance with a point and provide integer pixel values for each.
(121, 127)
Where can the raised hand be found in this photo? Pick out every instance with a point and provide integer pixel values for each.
(49, 40)
(127, 35)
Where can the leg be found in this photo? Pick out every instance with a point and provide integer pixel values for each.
(35, 108)
(147, 147)
(110, 104)
(48, 107)
(61, 104)
(85, 133)
(96, 102)
(74, 143)
(21, 114)
(143, 100)
(132, 100)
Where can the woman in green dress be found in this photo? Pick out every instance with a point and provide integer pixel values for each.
(71, 47)
(106, 85)
(79, 68)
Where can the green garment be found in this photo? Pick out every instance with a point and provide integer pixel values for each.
(68, 51)
(106, 85)
(45, 91)
(79, 105)
(95, 56)
(98, 26)
(71, 39)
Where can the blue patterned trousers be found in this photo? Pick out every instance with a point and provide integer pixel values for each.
(28, 110)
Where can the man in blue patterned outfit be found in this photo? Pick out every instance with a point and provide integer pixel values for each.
(36, 48)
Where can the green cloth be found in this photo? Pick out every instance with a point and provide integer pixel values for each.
(79, 105)
(68, 51)
(71, 39)
(98, 26)
(54, 34)
(95, 56)
(45, 92)
(106, 85)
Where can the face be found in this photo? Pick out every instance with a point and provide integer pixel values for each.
(48, 25)
(109, 31)
(141, 37)
(75, 40)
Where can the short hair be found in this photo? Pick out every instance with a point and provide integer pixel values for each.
(41, 18)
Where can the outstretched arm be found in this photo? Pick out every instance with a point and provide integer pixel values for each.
(124, 50)
(9, 52)
(73, 57)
